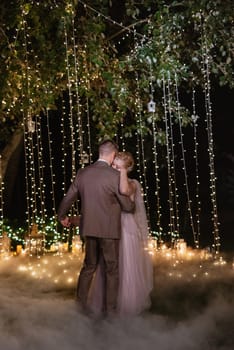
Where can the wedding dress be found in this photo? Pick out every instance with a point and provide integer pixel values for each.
(135, 265)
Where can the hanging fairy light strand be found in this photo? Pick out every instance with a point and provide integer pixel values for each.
(85, 81)
(152, 110)
(89, 146)
(175, 195)
(141, 161)
(40, 167)
(157, 180)
(168, 157)
(197, 192)
(142, 166)
(142, 170)
(64, 143)
(26, 172)
(52, 176)
(79, 128)
(69, 85)
(207, 91)
(87, 111)
(178, 107)
(30, 173)
(138, 153)
(142, 149)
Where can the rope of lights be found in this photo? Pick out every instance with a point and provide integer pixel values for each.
(168, 157)
(86, 134)
(52, 176)
(40, 167)
(87, 112)
(26, 173)
(184, 161)
(69, 84)
(141, 161)
(155, 155)
(79, 119)
(175, 195)
(64, 158)
(208, 105)
(64, 144)
(197, 192)
(89, 146)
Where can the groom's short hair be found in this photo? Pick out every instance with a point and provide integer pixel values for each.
(107, 147)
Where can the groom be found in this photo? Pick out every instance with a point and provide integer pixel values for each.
(97, 185)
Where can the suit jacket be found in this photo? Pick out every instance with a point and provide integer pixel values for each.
(97, 185)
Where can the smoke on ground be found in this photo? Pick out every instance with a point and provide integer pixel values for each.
(192, 308)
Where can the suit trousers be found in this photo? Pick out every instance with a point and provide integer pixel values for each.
(96, 249)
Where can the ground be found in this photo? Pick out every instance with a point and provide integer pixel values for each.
(192, 306)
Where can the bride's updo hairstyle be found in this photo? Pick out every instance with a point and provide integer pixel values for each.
(127, 158)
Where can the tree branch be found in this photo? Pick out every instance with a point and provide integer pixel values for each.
(128, 27)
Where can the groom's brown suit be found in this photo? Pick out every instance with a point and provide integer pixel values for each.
(97, 185)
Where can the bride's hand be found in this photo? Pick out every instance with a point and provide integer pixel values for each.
(123, 171)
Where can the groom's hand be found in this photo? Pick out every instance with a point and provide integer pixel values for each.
(66, 222)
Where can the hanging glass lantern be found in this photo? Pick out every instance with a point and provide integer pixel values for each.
(84, 158)
(31, 125)
(151, 106)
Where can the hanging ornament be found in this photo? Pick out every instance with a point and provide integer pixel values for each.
(151, 106)
(194, 118)
(31, 125)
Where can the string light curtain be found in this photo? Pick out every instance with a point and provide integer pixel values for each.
(79, 113)
(206, 60)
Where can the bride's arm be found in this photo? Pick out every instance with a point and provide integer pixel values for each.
(126, 186)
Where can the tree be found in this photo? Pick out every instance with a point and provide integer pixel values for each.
(107, 59)
(168, 35)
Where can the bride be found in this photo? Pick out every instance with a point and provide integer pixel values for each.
(135, 265)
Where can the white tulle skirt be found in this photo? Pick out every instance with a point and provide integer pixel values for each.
(135, 269)
(135, 273)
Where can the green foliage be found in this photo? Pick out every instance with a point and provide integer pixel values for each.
(48, 47)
